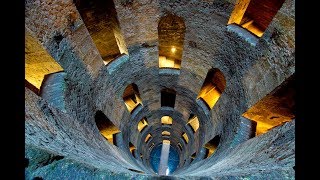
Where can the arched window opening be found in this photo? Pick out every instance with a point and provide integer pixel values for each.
(148, 137)
(131, 97)
(100, 18)
(171, 30)
(193, 156)
(275, 109)
(166, 120)
(143, 123)
(132, 148)
(212, 145)
(38, 63)
(255, 15)
(212, 87)
(165, 141)
(106, 127)
(193, 122)
(168, 97)
(165, 133)
(185, 137)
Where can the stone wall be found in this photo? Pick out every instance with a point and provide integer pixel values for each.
(271, 155)
(49, 128)
(138, 21)
(251, 72)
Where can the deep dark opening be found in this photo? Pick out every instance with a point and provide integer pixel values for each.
(37, 178)
(134, 170)
(58, 38)
(168, 97)
(26, 162)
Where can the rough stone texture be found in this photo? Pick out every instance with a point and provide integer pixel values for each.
(275, 108)
(251, 72)
(255, 156)
(171, 31)
(53, 90)
(51, 129)
(48, 165)
(53, 22)
(138, 21)
(101, 21)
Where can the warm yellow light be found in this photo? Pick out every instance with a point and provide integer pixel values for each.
(109, 137)
(211, 151)
(147, 138)
(262, 127)
(166, 120)
(132, 148)
(194, 123)
(132, 101)
(166, 133)
(211, 147)
(164, 62)
(237, 16)
(38, 62)
(142, 124)
(173, 49)
(239, 11)
(252, 28)
(210, 94)
(185, 137)
(166, 141)
(108, 132)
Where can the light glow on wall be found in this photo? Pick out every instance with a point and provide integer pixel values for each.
(38, 62)
(185, 137)
(212, 87)
(142, 124)
(254, 15)
(131, 97)
(147, 138)
(194, 123)
(173, 49)
(165, 133)
(166, 120)
(165, 141)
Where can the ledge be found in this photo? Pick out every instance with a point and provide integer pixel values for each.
(116, 63)
(243, 33)
(169, 71)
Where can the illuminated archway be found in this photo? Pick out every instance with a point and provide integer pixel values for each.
(131, 97)
(212, 87)
(171, 30)
(255, 15)
(107, 129)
